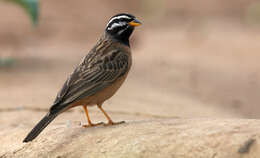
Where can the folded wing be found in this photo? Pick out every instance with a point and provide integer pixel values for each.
(91, 76)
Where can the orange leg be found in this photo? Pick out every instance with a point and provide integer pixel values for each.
(110, 122)
(89, 121)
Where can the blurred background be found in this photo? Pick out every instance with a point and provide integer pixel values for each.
(191, 58)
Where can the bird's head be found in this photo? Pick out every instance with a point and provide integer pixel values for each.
(121, 26)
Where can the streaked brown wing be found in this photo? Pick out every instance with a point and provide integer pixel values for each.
(91, 77)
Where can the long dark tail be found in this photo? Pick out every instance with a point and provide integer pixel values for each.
(39, 127)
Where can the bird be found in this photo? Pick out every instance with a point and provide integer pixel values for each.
(98, 76)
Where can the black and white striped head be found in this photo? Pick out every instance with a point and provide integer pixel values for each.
(121, 26)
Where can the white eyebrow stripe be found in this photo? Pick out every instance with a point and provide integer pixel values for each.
(118, 17)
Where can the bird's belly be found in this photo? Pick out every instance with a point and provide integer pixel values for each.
(101, 96)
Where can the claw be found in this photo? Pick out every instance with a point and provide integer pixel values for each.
(113, 123)
(93, 124)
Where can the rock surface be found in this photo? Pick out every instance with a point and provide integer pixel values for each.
(168, 138)
(189, 70)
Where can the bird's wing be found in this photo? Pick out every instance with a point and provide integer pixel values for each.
(91, 76)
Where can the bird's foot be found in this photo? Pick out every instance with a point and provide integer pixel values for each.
(113, 123)
(93, 124)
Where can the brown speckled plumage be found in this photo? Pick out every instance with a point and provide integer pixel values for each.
(98, 76)
(106, 65)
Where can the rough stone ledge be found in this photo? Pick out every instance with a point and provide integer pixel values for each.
(164, 138)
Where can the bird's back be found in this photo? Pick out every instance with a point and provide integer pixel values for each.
(97, 77)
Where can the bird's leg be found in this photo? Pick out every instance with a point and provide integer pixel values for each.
(89, 121)
(110, 122)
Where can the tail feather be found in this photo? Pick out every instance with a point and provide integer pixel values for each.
(39, 127)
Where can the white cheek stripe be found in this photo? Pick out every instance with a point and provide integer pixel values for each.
(115, 25)
(118, 17)
(121, 31)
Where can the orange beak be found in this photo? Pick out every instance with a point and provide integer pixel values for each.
(135, 23)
